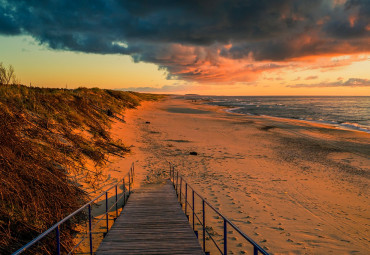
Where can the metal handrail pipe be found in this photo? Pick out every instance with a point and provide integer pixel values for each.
(189, 205)
(199, 220)
(205, 200)
(52, 228)
(227, 220)
(246, 237)
(78, 244)
(215, 243)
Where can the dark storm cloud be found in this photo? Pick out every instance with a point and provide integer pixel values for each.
(352, 21)
(151, 31)
(8, 25)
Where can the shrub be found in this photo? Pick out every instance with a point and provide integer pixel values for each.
(47, 135)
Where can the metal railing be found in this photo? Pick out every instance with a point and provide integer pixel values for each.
(196, 208)
(111, 212)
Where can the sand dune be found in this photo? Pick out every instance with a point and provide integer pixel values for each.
(295, 187)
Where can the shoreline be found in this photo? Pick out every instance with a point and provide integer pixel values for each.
(231, 104)
(293, 186)
(323, 122)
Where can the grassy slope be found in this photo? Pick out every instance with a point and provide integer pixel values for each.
(46, 135)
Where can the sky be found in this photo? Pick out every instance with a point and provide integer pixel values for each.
(218, 47)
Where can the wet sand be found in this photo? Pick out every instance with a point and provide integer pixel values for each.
(294, 187)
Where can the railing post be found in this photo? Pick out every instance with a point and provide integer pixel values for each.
(225, 237)
(177, 182)
(58, 229)
(116, 203)
(173, 173)
(106, 209)
(124, 192)
(255, 250)
(193, 204)
(186, 198)
(90, 234)
(180, 191)
(129, 183)
(58, 239)
(170, 171)
(204, 227)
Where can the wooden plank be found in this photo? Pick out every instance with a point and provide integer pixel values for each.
(152, 222)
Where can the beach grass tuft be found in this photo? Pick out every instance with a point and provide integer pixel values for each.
(47, 136)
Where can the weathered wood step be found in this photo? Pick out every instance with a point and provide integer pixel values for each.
(152, 222)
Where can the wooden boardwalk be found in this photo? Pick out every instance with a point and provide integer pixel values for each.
(152, 222)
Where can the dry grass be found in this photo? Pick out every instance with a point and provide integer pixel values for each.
(45, 136)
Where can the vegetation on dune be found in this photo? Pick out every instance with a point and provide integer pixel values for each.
(47, 136)
(7, 75)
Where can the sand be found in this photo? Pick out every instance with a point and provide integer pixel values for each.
(294, 187)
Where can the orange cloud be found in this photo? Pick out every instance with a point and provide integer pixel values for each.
(208, 65)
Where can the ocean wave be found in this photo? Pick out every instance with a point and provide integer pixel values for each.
(341, 112)
(338, 124)
(355, 126)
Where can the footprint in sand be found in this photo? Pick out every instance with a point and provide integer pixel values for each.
(278, 228)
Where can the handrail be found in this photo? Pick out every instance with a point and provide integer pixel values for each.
(55, 227)
(178, 185)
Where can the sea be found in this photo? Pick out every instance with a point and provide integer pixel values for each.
(349, 112)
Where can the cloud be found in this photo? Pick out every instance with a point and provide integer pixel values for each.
(8, 26)
(352, 21)
(351, 82)
(311, 77)
(197, 40)
(163, 89)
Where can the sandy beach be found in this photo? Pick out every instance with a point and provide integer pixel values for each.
(294, 187)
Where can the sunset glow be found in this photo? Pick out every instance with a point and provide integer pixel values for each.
(316, 48)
